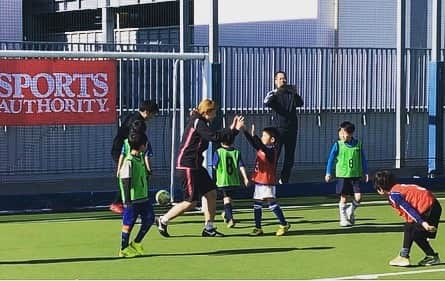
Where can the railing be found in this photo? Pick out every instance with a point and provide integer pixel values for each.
(329, 79)
(335, 83)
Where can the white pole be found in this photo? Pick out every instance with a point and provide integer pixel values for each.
(112, 55)
(173, 140)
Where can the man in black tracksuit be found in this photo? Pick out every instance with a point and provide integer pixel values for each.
(283, 100)
(147, 109)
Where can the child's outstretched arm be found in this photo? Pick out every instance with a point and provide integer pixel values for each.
(253, 139)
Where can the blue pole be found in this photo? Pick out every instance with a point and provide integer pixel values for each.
(435, 119)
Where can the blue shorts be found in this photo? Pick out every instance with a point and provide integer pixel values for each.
(144, 210)
(348, 186)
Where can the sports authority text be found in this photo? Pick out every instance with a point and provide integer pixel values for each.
(53, 92)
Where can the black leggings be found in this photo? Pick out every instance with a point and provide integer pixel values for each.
(414, 232)
(288, 141)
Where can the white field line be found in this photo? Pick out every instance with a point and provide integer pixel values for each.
(377, 275)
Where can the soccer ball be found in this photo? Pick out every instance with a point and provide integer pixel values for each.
(162, 197)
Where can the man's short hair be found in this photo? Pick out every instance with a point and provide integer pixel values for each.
(149, 106)
(278, 72)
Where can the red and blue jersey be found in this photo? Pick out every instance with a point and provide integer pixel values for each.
(411, 201)
(265, 162)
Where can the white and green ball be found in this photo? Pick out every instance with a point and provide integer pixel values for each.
(162, 197)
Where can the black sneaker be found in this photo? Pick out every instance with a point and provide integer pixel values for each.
(430, 260)
(162, 228)
(211, 233)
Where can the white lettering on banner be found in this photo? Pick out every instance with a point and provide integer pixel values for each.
(53, 92)
(5, 85)
(43, 85)
(17, 106)
(64, 80)
(19, 85)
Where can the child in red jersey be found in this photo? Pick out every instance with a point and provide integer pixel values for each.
(421, 211)
(264, 177)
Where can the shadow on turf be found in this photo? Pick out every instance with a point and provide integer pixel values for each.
(214, 253)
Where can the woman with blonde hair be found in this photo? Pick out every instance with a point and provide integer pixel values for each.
(196, 181)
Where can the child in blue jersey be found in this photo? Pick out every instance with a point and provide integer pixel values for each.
(421, 211)
(350, 166)
(134, 192)
(228, 167)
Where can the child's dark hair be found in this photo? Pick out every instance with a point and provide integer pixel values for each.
(347, 126)
(273, 132)
(384, 180)
(138, 127)
(149, 106)
(136, 140)
(228, 139)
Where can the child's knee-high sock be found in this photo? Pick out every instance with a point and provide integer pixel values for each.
(125, 236)
(276, 209)
(354, 205)
(257, 210)
(342, 209)
(146, 224)
(228, 212)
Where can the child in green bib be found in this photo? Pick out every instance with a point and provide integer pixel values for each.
(228, 167)
(350, 167)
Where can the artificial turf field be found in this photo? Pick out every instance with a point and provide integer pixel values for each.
(85, 246)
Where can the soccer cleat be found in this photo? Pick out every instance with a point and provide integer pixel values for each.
(117, 208)
(127, 253)
(162, 228)
(283, 229)
(137, 247)
(211, 233)
(231, 223)
(430, 260)
(399, 261)
(345, 223)
(256, 232)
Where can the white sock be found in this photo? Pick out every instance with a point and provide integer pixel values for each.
(209, 225)
(342, 208)
(163, 220)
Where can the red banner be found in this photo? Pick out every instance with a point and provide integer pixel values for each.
(55, 91)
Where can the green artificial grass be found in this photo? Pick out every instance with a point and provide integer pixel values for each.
(85, 246)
